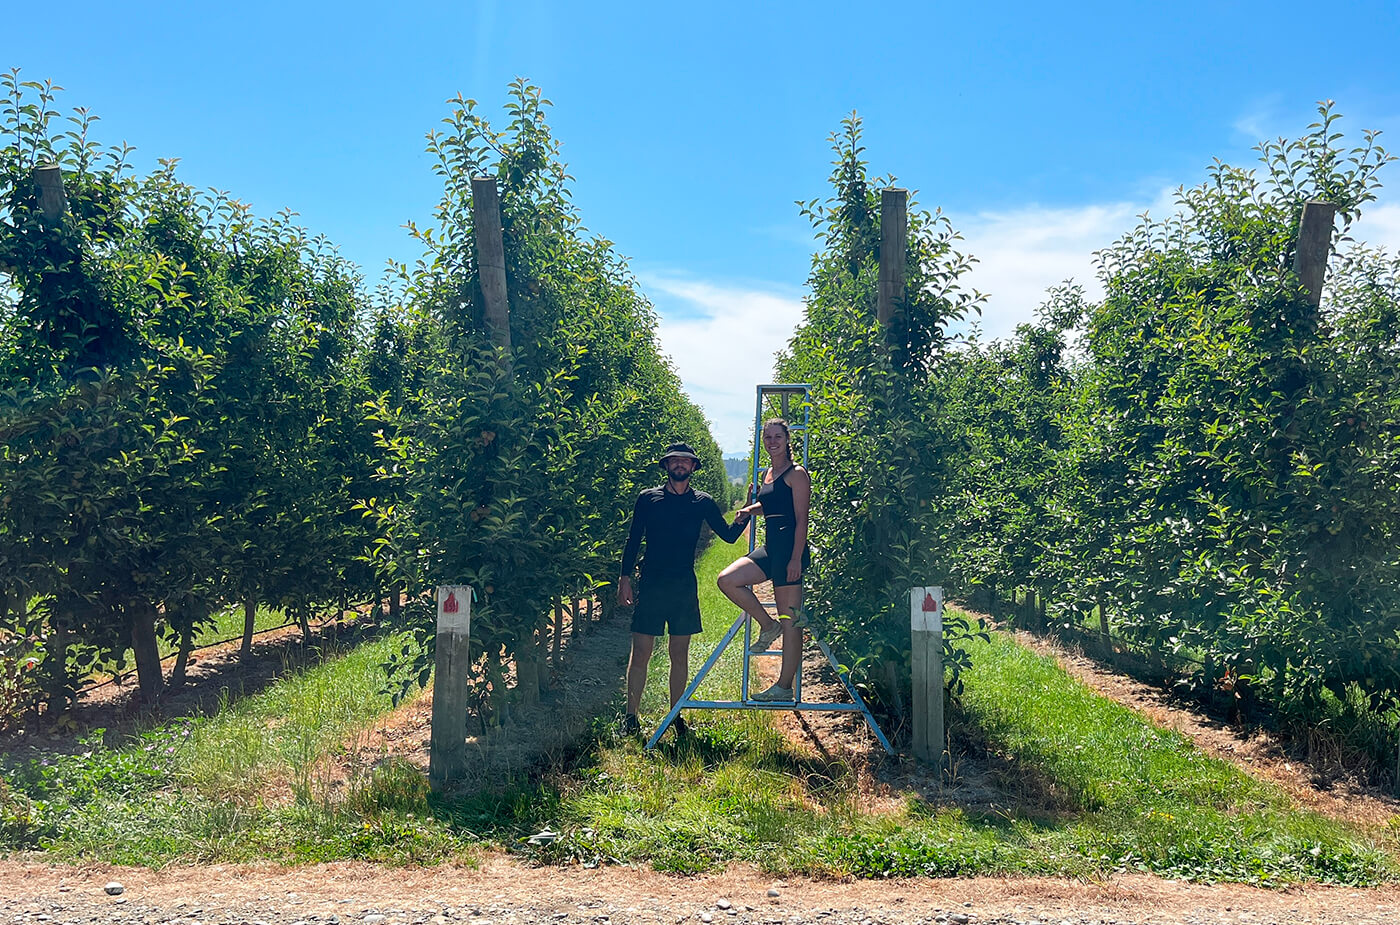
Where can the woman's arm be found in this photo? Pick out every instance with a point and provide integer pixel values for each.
(725, 531)
(801, 484)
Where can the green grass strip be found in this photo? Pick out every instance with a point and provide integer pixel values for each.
(1091, 787)
(192, 790)
(1147, 797)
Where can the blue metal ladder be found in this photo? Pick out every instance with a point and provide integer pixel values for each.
(784, 395)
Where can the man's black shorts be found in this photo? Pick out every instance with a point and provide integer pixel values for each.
(664, 600)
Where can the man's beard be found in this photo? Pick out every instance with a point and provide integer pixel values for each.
(678, 477)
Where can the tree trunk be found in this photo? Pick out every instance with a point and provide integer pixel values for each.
(141, 617)
(250, 616)
(896, 693)
(542, 654)
(495, 714)
(56, 658)
(304, 621)
(558, 633)
(182, 658)
(588, 615)
(575, 630)
(527, 670)
(395, 604)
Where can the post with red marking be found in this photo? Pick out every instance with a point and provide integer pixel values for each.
(926, 658)
(447, 744)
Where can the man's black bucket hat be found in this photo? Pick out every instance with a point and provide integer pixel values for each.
(682, 450)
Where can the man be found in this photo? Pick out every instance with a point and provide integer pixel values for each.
(667, 597)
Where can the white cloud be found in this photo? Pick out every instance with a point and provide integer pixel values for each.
(1379, 226)
(1023, 252)
(722, 340)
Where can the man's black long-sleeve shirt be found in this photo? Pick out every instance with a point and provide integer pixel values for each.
(671, 525)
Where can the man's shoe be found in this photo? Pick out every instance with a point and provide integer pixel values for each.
(775, 694)
(679, 724)
(630, 726)
(765, 639)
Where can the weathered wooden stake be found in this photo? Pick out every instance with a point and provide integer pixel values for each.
(1314, 246)
(447, 743)
(926, 630)
(491, 258)
(53, 201)
(894, 245)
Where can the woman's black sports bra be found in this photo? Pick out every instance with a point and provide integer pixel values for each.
(779, 513)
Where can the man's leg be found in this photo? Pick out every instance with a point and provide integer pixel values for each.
(679, 648)
(642, 647)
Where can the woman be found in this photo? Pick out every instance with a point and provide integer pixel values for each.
(783, 499)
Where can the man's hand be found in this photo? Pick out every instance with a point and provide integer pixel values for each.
(741, 517)
(624, 591)
(794, 572)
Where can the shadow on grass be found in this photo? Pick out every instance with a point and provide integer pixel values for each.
(223, 676)
(984, 781)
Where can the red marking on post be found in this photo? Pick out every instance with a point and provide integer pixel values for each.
(450, 605)
(930, 605)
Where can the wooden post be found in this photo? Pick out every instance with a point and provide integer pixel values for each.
(894, 245)
(447, 743)
(491, 258)
(1314, 246)
(926, 629)
(48, 183)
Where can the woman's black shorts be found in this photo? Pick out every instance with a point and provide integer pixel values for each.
(774, 562)
(667, 600)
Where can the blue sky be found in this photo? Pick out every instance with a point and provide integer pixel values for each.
(1042, 129)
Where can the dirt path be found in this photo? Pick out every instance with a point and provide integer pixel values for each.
(504, 891)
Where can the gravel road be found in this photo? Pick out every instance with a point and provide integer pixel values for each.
(503, 892)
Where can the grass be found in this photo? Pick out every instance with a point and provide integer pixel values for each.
(226, 624)
(1091, 788)
(198, 789)
(1113, 793)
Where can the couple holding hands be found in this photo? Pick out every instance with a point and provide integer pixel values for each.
(667, 596)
